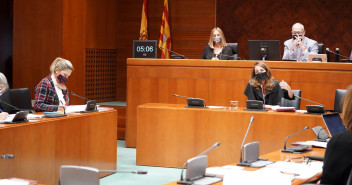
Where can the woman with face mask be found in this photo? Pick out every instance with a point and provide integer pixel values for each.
(216, 49)
(262, 84)
(51, 93)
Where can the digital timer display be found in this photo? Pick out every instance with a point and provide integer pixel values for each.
(144, 49)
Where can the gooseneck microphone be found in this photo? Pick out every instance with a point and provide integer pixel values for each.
(241, 163)
(217, 144)
(173, 52)
(193, 102)
(124, 171)
(296, 149)
(336, 53)
(74, 94)
(311, 101)
(7, 156)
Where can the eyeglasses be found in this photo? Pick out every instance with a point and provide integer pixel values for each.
(297, 32)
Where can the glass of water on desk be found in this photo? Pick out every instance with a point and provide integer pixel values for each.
(233, 105)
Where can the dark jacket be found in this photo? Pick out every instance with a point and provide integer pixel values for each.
(338, 159)
(225, 54)
(46, 98)
(273, 97)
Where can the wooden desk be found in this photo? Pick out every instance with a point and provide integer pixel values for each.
(219, 82)
(169, 134)
(279, 156)
(41, 147)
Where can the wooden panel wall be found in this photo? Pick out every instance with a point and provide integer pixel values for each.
(46, 30)
(326, 21)
(190, 25)
(37, 40)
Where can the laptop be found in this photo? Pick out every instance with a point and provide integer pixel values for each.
(333, 123)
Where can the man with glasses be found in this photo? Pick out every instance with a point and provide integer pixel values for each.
(299, 46)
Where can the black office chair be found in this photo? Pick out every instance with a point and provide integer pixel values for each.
(21, 98)
(234, 47)
(339, 94)
(292, 103)
(320, 48)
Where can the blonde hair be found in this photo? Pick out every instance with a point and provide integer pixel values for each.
(269, 81)
(3, 80)
(211, 39)
(347, 109)
(61, 64)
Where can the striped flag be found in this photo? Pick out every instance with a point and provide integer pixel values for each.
(165, 37)
(143, 33)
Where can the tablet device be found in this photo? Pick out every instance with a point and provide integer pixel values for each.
(333, 123)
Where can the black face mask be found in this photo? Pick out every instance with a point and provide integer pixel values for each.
(261, 76)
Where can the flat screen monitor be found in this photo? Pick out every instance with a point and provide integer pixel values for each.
(144, 49)
(258, 49)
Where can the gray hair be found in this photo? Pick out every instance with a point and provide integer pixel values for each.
(299, 25)
(3, 80)
(61, 64)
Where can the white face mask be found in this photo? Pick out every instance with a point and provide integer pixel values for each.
(217, 39)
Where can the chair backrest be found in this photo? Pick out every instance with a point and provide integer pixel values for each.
(78, 175)
(339, 94)
(21, 98)
(320, 48)
(234, 47)
(292, 103)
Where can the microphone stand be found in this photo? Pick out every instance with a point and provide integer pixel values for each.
(174, 52)
(241, 163)
(293, 150)
(311, 101)
(263, 96)
(124, 171)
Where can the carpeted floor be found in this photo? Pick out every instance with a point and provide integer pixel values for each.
(126, 160)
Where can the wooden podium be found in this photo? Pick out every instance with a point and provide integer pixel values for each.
(219, 82)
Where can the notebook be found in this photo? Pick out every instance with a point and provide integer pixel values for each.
(333, 123)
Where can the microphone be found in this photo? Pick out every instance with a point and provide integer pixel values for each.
(7, 156)
(91, 104)
(181, 96)
(16, 108)
(142, 172)
(263, 96)
(234, 57)
(217, 144)
(296, 149)
(337, 53)
(241, 163)
(193, 102)
(311, 101)
(173, 52)
(74, 94)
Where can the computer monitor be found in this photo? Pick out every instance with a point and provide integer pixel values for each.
(258, 49)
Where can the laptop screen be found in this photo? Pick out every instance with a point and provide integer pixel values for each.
(333, 123)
